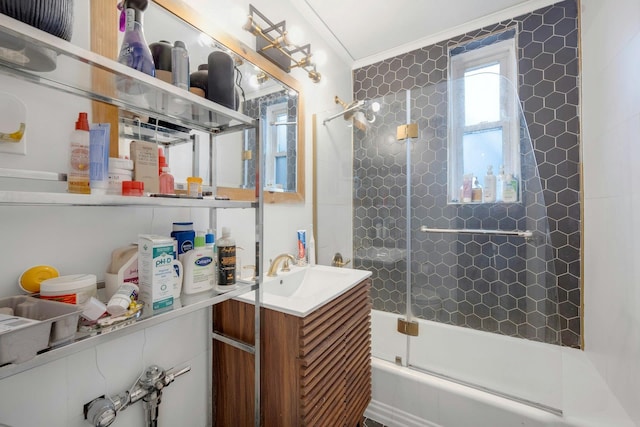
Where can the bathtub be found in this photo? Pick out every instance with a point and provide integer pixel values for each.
(563, 384)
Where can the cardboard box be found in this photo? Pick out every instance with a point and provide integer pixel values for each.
(145, 164)
(155, 270)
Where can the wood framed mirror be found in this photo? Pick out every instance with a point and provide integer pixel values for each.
(290, 186)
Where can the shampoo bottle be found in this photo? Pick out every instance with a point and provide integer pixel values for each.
(198, 268)
(226, 259)
(476, 191)
(500, 185)
(78, 173)
(510, 189)
(489, 195)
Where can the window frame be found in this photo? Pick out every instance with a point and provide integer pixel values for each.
(503, 53)
(272, 140)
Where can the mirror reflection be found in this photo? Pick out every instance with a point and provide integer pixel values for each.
(258, 94)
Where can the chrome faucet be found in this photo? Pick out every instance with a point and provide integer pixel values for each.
(273, 268)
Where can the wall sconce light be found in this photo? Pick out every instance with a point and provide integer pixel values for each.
(272, 43)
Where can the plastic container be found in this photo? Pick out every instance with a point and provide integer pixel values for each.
(78, 171)
(73, 289)
(226, 246)
(134, 51)
(489, 195)
(116, 178)
(123, 269)
(132, 188)
(167, 183)
(99, 157)
(56, 324)
(120, 301)
(198, 268)
(194, 186)
(185, 236)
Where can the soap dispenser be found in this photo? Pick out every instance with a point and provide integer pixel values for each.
(489, 195)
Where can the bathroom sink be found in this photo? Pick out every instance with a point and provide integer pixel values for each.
(304, 289)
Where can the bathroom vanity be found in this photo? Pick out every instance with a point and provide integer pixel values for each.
(315, 369)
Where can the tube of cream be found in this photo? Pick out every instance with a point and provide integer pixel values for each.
(99, 157)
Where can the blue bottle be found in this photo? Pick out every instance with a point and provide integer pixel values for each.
(134, 51)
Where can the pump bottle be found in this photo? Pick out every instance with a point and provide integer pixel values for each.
(489, 195)
(198, 267)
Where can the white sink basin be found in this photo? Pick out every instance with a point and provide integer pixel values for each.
(304, 289)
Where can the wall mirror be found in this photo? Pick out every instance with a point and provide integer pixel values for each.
(265, 92)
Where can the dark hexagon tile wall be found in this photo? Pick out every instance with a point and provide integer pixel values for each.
(477, 281)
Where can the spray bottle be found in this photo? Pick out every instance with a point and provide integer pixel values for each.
(134, 51)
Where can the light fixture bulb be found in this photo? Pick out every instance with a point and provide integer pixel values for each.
(320, 57)
(375, 106)
(296, 35)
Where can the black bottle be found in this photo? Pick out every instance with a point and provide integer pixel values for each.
(221, 87)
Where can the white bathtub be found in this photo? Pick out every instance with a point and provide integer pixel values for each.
(556, 377)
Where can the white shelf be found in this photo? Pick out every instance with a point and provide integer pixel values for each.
(84, 340)
(122, 86)
(29, 198)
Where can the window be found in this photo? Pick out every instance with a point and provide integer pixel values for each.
(484, 120)
(276, 147)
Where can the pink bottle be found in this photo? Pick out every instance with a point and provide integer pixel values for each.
(166, 181)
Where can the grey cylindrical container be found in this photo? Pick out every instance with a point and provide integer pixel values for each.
(180, 65)
(221, 88)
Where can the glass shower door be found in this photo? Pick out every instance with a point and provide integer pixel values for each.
(482, 283)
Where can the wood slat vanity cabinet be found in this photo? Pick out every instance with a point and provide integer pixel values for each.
(315, 370)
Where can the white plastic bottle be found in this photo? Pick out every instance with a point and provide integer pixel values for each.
(311, 248)
(78, 173)
(226, 246)
(198, 268)
(500, 184)
(510, 189)
(489, 194)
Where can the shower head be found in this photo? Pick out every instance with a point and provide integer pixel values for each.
(349, 109)
(356, 112)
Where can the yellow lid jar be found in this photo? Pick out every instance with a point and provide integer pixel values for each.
(194, 186)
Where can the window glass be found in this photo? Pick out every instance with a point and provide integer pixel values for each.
(482, 95)
(483, 111)
(482, 149)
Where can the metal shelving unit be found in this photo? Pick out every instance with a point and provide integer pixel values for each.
(137, 93)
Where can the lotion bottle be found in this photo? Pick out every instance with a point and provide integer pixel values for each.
(198, 267)
(78, 173)
(500, 184)
(489, 195)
